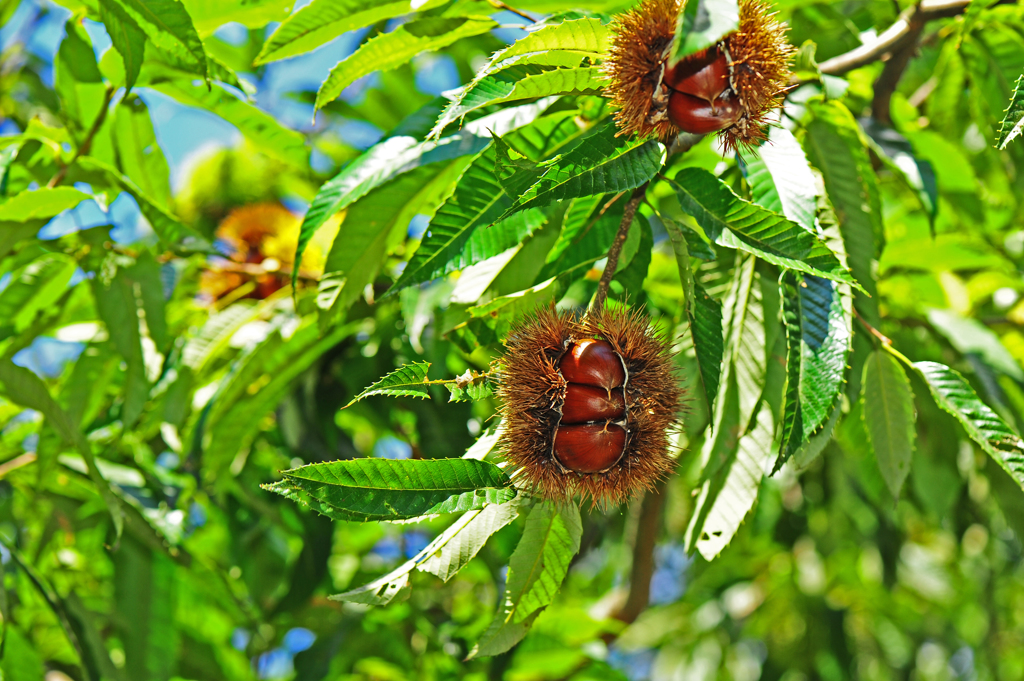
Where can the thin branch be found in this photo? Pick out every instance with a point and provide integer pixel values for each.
(500, 5)
(643, 555)
(893, 37)
(616, 248)
(893, 70)
(86, 144)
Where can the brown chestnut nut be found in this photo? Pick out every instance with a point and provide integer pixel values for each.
(585, 403)
(589, 448)
(593, 362)
(704, 75)
(698, 116)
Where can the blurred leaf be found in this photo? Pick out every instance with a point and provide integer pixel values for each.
(25, 388)
(1012, 124)
(703, 23)
(535, 573)
(168, 26)
(897, 151)
(888, 411)
(389, 50)
(970, 336)
(955, 395)
(40, 203)
(208, 15)
(448, 560)
(323, 20)
(78, 82)
(144, 586)
(730, 221)
(34, 287)
(264, 131)
(138, 153)
(409, 380)
(118, 307)
(127, 38)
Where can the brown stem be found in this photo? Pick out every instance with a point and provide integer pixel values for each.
(872, 330)
(886, 84)
(892, 38)
(86, 144)
(500, 5)
(643, 555)
(616, 247)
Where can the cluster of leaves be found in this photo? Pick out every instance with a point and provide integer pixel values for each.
(837, 295)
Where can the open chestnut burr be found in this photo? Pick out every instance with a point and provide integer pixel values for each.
(587, 404)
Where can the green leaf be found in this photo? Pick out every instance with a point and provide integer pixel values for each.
(145, 583)
(118, 307)
(562, 44)
(898, 154)
(971, 337)
(373, 226)
(385, 489)
(169, 27)
(727, 497)
(780, 178)
(390, 50)
(209, 15)
(743, 368)
(1013, 123)
(834, 146)
(599, 164)
(454, 238)
(703, 23)
(991, 433)
(264, 131)
(77, 81)
(704, 315)
(409, 380)
(323, 20)
(397, 155)
(138, 153)
(21, 386)
(817, 316)
(469, 389)
(127, 38)
(521, 82)
(448, 560)
(168, 228)
(732, 222)
(34, 287)
(40, 203)
(888, 412)
(535, 573)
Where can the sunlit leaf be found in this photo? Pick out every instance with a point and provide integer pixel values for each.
(386, 489)
(702, 23)
(409, 380)
(390, 50)
(1013, 123)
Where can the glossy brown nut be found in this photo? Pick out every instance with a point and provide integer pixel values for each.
(593, 362)
(694, 115)
(585, 403)
(589, 448)
(704, 75)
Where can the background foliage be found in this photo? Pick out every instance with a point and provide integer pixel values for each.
(220, 222)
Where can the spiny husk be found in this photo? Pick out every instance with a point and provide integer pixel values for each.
(635, 64)
(759, 60)
(760, 56)
(532, 392)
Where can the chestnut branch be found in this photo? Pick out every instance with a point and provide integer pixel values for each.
(616, 248)
(896, 36)
(643, 555)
